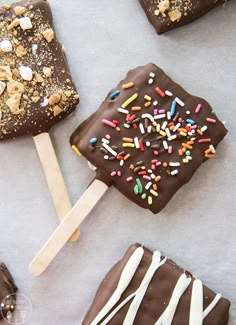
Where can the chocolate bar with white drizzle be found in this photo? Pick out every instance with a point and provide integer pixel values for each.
(148, 288)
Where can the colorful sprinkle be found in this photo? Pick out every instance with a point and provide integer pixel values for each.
(128, 85)
(115, 94)
(93, 140)
(198, 109)
(129, 100)
(160, 92)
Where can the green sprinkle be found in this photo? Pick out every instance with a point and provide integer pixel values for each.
(188, 153)
(136, 189)
(144, 195)
(140, 186)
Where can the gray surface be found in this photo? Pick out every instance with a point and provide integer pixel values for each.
(104, 39)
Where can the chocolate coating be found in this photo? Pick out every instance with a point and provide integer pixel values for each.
(7, 287)
(157, 296)
(155, 159)
(51, 94)
(189, 11)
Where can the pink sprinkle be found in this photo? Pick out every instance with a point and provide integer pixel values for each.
(119, 173)
(155, 111)
(142, 172)
(180, 120)
(204, 140)
(161, 111)
(154, 161)
(211, 120)
(109, 123)
(158, 163)
(153, 167)
(156, 153)
(170, 149)
(199, 107)
(108, 137)
(129, 179)
(113, 173)
(193, 126)
(148, 178)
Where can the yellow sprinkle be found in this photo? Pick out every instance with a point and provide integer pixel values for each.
(162, 133)
(148, 98)
(185, 161)
(128, 145)
(76, 150)
(183, 134)
(153, 192)
(150, 200)
(130, 100)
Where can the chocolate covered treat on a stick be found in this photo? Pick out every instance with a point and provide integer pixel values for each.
(148, 288)
(7, 293)
(36, 88)
(147, 139)
(165, 15)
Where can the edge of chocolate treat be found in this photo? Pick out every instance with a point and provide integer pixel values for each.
(93, 128)
(36, 86)
(157, 295)
(191, 12)
(7, 287)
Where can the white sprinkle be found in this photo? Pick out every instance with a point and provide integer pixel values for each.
(188, 112)
(174, 172)
(105, 141)
(204, 128)
(153, 176)
(122, 162)
(172, 137)
(189, 157)
(122, 110)
(106, 157)
(165, 144)
(149, 116)
(137, 145)
(168, 115)
(159, 116)
(183, 134)
(164, 125)
(148, 144)
(167, 131)
(34, 49)
(168, 93)
(176, 127)
(26, 73)
(6, 46)
(44, 102)
(212, 148)
(113, 152)
(155, 103)
(150, 200)
(150, 81)
(179, 101)
(185, 161)
(127, 126)
(152, 75)
(174, 164)
(149, 129)
(25, 23)
(149, 184)
(141, 127)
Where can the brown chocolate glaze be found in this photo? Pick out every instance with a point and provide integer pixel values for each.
(37, 111)
(190, 11)
(168, 184)
(7, 288)
(157, 296)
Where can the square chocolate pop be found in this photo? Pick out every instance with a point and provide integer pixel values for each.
(165, 15)
(148, 288)
(149, 136)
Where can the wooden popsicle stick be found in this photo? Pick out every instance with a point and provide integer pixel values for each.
(68, 225)
(54, 177)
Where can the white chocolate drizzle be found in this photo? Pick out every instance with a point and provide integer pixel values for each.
(196, 316)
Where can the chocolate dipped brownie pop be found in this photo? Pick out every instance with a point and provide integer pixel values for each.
(165, 15)
(7, 292)
(147, 139)
(36, 87)
(148, 288)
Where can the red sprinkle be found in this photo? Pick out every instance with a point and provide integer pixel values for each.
(141, 145)
(160, 92)
(204, 140)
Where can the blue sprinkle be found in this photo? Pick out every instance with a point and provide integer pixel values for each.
(115, 94)
(93, 140)
(189, 121)
(173, 108)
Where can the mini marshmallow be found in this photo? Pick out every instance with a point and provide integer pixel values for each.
(25, 23)
(2, 87)
(6, 46)
(26, 73)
